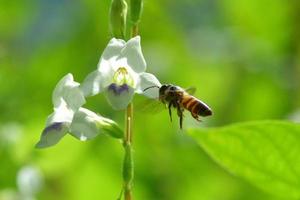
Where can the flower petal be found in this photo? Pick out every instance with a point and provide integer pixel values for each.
(84, 125)
(148, 80)
(61, 114)
(133, 52)
(108, 58)
(92, 84)
(52, 134)
(106, 65)
(107, 72)
(112, 49)
(67, 90)
(119, 96)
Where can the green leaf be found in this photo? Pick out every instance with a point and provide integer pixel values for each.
(266, 153)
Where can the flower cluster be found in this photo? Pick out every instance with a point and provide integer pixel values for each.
(119, 75)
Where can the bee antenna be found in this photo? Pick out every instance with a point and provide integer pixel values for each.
(150, 87)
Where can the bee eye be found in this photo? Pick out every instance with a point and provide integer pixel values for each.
(172, 88)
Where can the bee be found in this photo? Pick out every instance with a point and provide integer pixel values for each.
(181, 99)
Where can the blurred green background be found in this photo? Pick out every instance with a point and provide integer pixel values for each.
(242, 56)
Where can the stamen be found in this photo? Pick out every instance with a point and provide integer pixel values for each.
(122, 76)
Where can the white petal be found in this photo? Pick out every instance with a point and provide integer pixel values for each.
(67, 90)
(52, 134)
(133, 52)
(119, 96)
(148, 80)
(92, 84)
(108, 58)
(57, 125)
(107, 71)
(113, 49)
(84, 125)
(60, 87)
(61, 114)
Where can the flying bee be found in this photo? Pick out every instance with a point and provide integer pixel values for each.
(181, 99)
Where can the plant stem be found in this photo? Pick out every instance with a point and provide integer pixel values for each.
(129, 117)
(134, 30)
(128, 166)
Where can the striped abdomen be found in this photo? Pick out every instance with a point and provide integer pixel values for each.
(195, 106)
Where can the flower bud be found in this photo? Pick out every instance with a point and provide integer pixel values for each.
(87, 125)
(118, 13)
(111, 128)
(136, 7)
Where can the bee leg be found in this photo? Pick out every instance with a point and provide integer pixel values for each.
(180, 119)
(180, 114)
(170, 111)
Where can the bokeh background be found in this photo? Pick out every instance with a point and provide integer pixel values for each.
(242, 56)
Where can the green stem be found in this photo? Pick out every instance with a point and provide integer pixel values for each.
(129, 117)
(128, 165)
(134, 30)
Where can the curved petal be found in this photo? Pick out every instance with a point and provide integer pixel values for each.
(108, 58)
(119, 96)
(148, 80)
(107, 72)
(133, 52)
(67, 90)
(84, 125)
(92, 84)
(60, 114)
(112, 49)
(52, 134)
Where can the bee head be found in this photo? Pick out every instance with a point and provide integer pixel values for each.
(163, 89)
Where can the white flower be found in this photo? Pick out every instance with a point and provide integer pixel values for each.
(70, 117)
(120, 74)
(29, 182)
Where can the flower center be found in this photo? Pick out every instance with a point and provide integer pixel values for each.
(122, 77)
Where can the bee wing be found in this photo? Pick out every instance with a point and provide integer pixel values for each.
(150, 106)
(191, 90)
